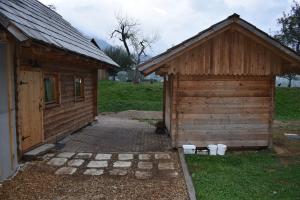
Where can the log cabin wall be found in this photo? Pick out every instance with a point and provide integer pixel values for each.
(222, 92)
(70, 114)
(235, 111)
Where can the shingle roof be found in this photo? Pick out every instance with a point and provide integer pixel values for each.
(38, 22)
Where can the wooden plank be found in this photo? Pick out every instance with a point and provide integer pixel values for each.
(30, 105)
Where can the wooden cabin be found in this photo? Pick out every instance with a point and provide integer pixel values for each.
(49, 75)
(219, 85)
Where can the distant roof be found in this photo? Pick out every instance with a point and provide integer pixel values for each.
(30, 19)
(152, 64)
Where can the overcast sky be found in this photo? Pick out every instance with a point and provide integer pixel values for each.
(173, 20)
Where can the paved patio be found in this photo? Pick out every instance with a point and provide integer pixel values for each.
(116, 133)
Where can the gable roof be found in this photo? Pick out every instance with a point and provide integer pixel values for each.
(30, 19)
(155, 62)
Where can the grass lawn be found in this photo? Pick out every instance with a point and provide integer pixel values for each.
(287, 103)
(245, 176)
(120, 96)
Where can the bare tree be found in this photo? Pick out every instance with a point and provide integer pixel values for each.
(126, 31)
(134, 42)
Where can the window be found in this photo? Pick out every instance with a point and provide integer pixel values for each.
(79, 87)
(51, 95)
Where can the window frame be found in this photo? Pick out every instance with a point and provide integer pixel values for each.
(57, 93)
(82, 96)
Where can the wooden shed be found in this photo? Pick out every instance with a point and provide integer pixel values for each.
(55, 72)
(219, 85)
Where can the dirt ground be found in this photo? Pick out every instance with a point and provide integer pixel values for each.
(38, 181)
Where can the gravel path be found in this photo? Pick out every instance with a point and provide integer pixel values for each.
(38, 181)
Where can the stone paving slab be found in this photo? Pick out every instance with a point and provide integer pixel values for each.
(84, 155)
(145, 165)
(93, 172)
(122, 164)
(144, 156)
(118, 172)
(101, 156)
(143, 174)
(75, 162)
(166, 166)
(125, 156)
(97, 164)
(57, 161)
(48, 156)
(66, 171)
(162, 156)
(66, 155)
(39, 150)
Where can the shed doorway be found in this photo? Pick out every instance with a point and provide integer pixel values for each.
(31, 112)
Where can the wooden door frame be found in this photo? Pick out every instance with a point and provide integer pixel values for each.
(19, 123)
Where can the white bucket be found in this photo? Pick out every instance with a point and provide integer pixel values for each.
(212, 149)
(221, 149)
(189, 149)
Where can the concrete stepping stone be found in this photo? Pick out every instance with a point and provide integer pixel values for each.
(145, 165)
(75, 162)
(48, 156)
(93, 172)
(66, 155)
(122, 164)
(101, 156)
(144, 156)
(143, 174)
(118, 172)
(166, 166)
(125, 156)
(66, 171)
(97, 164)
(57, 161)
(162, 156)
(39, 150)
(83, 155)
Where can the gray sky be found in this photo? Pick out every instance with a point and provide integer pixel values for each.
(173, 20)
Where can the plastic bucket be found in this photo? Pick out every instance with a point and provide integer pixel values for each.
(221, 149)
(189, 149)
(212, 149)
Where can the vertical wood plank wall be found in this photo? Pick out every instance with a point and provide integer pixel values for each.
(102, 74)
(231, 110)
(167, 104)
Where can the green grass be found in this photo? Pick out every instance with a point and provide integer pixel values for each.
(287, 103)
(120, 96)
(246, 176)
